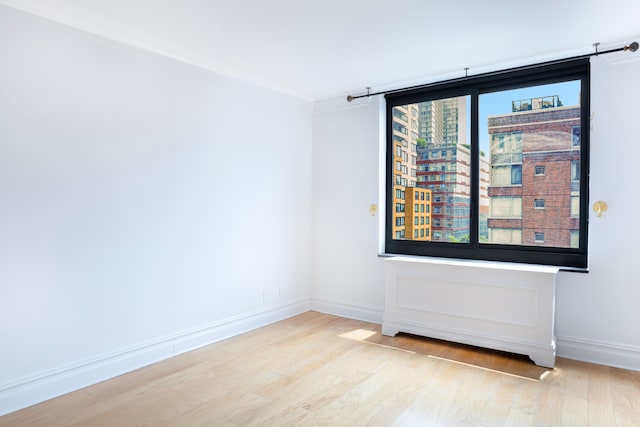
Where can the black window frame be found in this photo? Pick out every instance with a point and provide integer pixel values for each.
(567, 258)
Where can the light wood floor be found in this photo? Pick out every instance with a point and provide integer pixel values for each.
(317, 369)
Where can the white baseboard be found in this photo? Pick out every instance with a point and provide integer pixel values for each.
(367, 313)
(602, 353)
(31, 390)
(47, 385)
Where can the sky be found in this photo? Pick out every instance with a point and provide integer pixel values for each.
(500, 102)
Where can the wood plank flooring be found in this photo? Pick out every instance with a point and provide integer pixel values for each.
(316, 369)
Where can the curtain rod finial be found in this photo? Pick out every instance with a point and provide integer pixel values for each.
(632, 47)
(349, 98)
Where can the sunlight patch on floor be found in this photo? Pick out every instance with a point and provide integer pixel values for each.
(488, 369)
(362, 335)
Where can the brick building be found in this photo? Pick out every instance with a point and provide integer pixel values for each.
(534, 174)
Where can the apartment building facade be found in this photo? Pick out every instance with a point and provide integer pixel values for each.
(534, 189)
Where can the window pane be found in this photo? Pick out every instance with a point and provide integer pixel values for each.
(438, 156)
(530, 144)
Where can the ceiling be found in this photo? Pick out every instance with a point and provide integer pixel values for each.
(327, 48)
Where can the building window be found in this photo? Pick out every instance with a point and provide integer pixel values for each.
(575, 170)
(516, 174)
(485, 138)
(506, 175)
(575, 210)
(575, 136)
(575, 238)
(505, 207)
(506, 236)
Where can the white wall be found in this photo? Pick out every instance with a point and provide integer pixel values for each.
(597, 313)
(145, 208)
(347, 274)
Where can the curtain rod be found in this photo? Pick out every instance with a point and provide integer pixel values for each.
(632, 47)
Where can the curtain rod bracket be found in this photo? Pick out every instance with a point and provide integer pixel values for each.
(595, 46)
(351, 97)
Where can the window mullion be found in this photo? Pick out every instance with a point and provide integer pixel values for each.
(475, 169)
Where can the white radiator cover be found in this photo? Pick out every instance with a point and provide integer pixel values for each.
(509, 307)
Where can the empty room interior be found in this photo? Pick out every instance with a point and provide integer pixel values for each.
(319, 213)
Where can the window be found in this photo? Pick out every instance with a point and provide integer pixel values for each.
(483, 142)
(575, 170)
(506, 175)
(575, 136)
(575, 211)
(505, 207)
(516, 174)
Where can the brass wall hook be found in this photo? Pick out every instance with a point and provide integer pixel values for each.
(600, 208)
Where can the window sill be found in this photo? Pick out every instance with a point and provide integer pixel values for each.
(495, 265)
